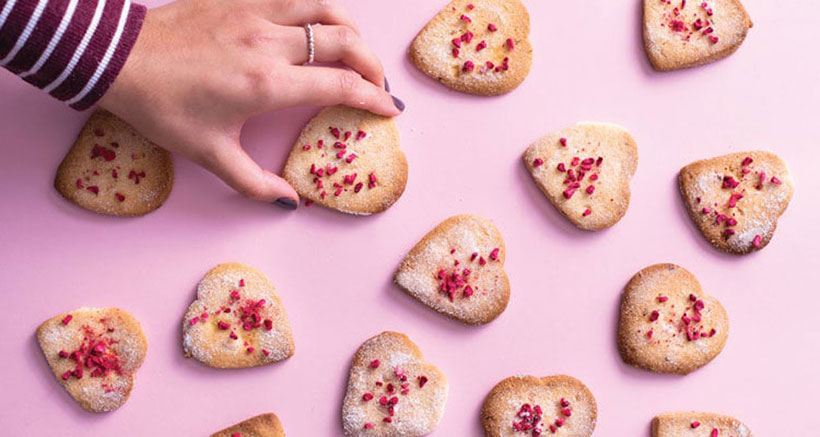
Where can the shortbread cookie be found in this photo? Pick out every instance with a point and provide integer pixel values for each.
(735, 200)
(95, 354)
(263, 425)
(392, 391)
(348, 160)
(667, 323)
(476, 46)
(686, 33)
(692, 424)
(523, 406)
(237, 320)
(584, 170)
(457, 269)
(112, 169)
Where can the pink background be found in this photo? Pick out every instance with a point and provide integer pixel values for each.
(334, 271)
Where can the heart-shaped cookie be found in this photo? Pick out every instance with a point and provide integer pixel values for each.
(457, 269)
(112, 169)
(528, 406)
(686, 33)
(692, 424)
(95, 354)
(584, 170)
(735, 200)
(667, 323)
(476, 46)
(349, 160)
(392, 391)
(237, 320)
(263, 425)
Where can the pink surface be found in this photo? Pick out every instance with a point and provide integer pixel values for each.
(334, 271)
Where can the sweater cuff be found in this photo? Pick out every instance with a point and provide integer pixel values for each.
(71, 49)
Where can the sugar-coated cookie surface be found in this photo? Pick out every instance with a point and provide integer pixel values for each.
(263, 425)
(667, 323)
(112, 169)
(584, 171)
(349, 160)
(686, 33)
(476, 46)
(524, 406)
(457, 269)
(237, 320)
(736, 200)
(392, 391)
(95, 354)
(694, 424)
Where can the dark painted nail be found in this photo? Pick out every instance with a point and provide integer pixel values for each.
(286, 203)
(399, 104)
(386, 84)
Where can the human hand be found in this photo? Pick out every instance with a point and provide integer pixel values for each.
(201, 68)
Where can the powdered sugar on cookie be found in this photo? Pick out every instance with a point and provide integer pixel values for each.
(667, 323)
(524, 406)
(691, 423)
(392, 391)
(686, 33)
(94, 353)
(479, 47)
(457, 269)
(736, 200)
(349, 160)
(584, 171)
(112, 169)
(237, 320)
(263, 425)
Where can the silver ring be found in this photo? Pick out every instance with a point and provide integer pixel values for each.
(310, 43)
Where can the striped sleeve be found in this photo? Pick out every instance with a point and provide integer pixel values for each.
(71, 49)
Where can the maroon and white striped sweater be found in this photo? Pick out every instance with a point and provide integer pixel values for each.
(71, 49)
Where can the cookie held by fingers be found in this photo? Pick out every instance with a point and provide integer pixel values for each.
(457, 269)
(349, 160)
(95, 354)
(584, 171)
(667, 323)
(694, 424)
(476, 46)
(112, 169)
(524, 406)
(237, 320)
(686, 33)
(392, 391)
(263, 425)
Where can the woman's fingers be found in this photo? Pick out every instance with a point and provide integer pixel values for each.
(230, 163)
(301, 12)
(325, 86)
(338, 44)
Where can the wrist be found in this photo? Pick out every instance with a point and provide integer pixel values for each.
(127, 83)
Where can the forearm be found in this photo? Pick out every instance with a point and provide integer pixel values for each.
(72, 49)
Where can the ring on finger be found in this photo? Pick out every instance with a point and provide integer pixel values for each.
(311, 43)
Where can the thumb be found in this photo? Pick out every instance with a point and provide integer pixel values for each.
(231, 164)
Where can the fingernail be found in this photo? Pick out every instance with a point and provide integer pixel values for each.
(386, 84)
(399, 104)
(286, 203)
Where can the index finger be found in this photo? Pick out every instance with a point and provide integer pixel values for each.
(325, 86)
